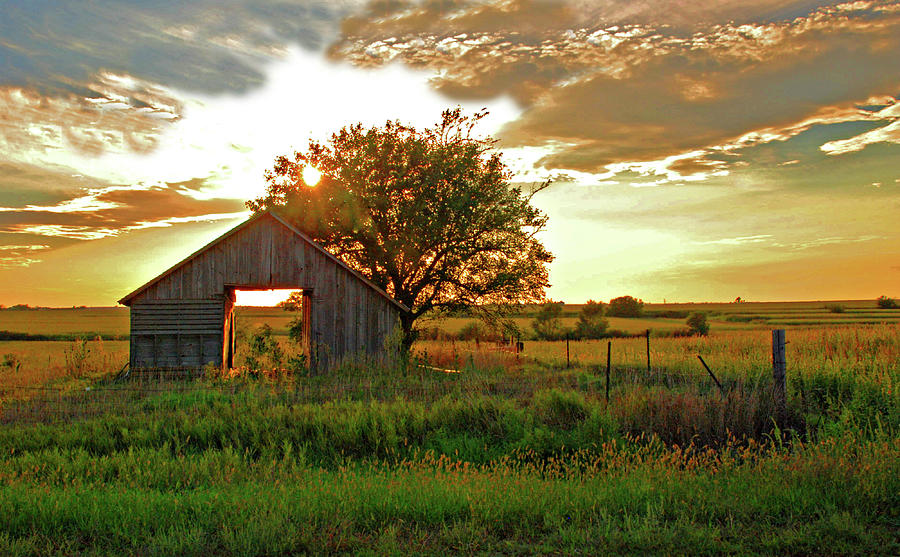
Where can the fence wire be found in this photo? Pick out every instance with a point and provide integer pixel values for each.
(173, 391)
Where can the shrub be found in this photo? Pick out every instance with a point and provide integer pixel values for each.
(546, 324)
(668, 313)
(886, 303)
(835, 308)
(590, 323)
(11, 361)
(471, 331)
(625, 306)
(697, 323)
(77, 355)
(263, 346)
(562, 409)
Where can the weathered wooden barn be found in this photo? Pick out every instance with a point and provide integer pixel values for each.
(184, 318)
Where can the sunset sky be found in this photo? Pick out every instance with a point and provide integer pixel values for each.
(700, 150)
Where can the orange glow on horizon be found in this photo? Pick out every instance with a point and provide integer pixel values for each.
(261, 298)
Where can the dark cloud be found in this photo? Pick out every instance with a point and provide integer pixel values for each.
(696, 165)
(208, 46)
(24, 184)
(536, 19)
(110, 210)
(614, 82)
(103, 75)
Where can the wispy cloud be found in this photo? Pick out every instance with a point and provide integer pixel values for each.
(889, 133)
(112, 210)
(760, 238)
(95, 233)
(12, 256)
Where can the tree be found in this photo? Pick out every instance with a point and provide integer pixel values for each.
(546, 324)
(590, 322)
(625, 306)
(886, 303)
(427, 215)
(697, 323)
(294, 304)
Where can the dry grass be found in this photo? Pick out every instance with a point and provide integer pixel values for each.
(55, 362)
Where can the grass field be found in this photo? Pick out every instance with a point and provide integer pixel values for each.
(513, 454)
(113, 321)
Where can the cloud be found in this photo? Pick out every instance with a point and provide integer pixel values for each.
(12, 256)
(612, 83)
(759, 238)
(889, 133)
(125, 114)
(111, 210)
(92, 77)
(205, 45)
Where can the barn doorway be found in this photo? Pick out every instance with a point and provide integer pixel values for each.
(287, 311)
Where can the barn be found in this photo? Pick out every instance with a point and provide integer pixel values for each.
(184, 318)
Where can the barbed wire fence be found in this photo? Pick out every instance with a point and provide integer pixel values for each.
(171, 391)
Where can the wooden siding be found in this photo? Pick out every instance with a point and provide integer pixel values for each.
(347, 315)
(176, 334)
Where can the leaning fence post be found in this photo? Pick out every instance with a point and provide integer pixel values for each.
(608, 353)
(779, 368)
(711, 374)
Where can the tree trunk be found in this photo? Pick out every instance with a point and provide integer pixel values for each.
(409, 335)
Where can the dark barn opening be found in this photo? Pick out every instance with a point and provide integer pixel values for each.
(184, 318)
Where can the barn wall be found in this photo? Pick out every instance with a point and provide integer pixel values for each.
(176, 334)
(347, 316)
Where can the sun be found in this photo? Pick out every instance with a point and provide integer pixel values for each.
(311, 175)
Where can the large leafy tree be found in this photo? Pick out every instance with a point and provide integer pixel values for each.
(428, 215)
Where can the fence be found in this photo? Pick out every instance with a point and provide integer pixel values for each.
(170, 391)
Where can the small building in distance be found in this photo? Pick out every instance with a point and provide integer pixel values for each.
(184, 318)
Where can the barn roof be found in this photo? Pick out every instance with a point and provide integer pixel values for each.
(127, 299)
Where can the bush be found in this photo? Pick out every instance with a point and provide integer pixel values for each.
(562, 409)
(668, 313)
(265, 351)
(590, 323)
(11, 361)
(697, 323)
(471, 331)
(835, 308)
(77, 357)
(546, 324)
(625, 306)
(433, 333)
(886, 303)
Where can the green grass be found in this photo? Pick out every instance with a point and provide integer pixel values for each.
(255, 475)
(513, 455)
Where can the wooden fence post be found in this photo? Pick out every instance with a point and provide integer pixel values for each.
(567, 350)
(608, 357)
(779, 369)
(648, 351)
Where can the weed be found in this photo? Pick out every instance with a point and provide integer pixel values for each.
(11, 362)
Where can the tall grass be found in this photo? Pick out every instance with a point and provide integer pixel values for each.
(509, 454)
(838, 496)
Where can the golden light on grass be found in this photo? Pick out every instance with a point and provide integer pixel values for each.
(311, 175)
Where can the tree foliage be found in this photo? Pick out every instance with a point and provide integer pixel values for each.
(428, 215)
(591, 323)
(294, 304)
(697, 323)
(547, 324)
(625, 306)
(886, 303)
